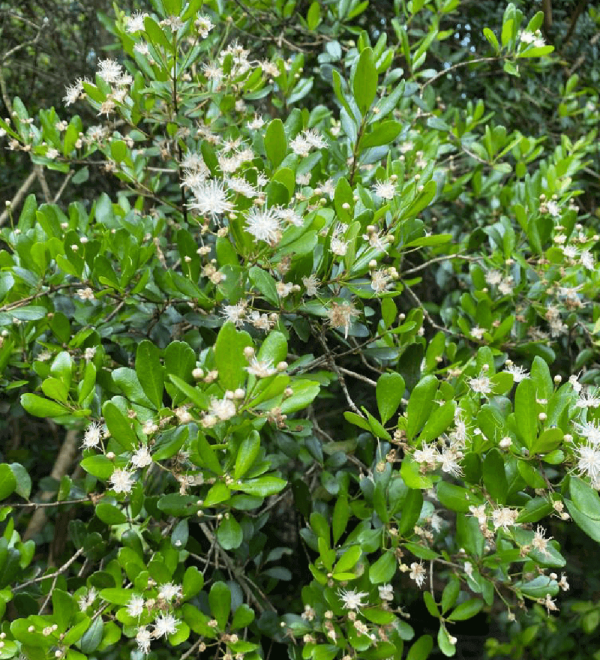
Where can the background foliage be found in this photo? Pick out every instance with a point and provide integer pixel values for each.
(436, 174)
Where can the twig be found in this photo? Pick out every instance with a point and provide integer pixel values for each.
(64, 459)
(63, 185)
(457, 66)
(58, 572)
(16, 200)
(358, 376)
(192, 649)
(47, 504)
(340, 376)
(425, 312)
(42, 179)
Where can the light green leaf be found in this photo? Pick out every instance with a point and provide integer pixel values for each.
(275, 143)
(219, 599)
(229, 533)
(364, 84)
(389, 392)
(420, 405)
(150, 371)
(526, 412)
(384, 568)
(229, 356)
(247, 453)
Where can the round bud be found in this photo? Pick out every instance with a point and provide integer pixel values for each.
(282, 366)
(111, 455)
(249, 352)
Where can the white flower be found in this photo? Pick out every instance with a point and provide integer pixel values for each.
(417, 573)
(469, 569)
(135, 606)
(338, 245)
(224, 408)
(73, 92)
(122, 481)
(527, 37)
(263, 225)
(311, 284)
(135, 22)
(379, 281)
(449, 460)
(257, 123)
(210, 199)
(261, 369)
(386, 592)
(169, 591)
(481, 385)
(235, 313)
(385, 189)
(506, 286)
(87, 600)
(540, 542)
(479, 512)
(493, 277)
(553, 209)
(426, 456)
(241, 186)
(300, 146)
(590, 431)
(141, 458)
(589, 461)
(352, 599)
(165, 624)
(92, 436)
(575, 383)
(478, 332)
(315, 139)
(143, 639)
(504, 517)
(340, 315)
(89, 353)
(109, 70)
(289, 215)
(204, 25)
(589, 399)
(142, 48)
(586, 259)
(517, 372)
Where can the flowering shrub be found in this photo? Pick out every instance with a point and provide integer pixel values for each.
(301, 393)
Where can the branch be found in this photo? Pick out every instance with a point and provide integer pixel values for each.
(16, 200)
(65, 457)
(457, 66)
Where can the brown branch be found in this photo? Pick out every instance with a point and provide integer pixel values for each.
(65, 457)
(42, 179)
(16, 200)
(576, 14)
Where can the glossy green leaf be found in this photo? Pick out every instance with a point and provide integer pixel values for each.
(389, 392)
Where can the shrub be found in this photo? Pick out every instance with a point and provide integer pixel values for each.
(304, 355)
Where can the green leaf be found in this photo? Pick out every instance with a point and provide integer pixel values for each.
(494, 476)
(439, 420)
(275, 143)
(262, 487)
(62, 367)
(341, 515)
(39, 407)
(585, 498)
(193, 581)
(384, 133)
(389, 392)
(444, 642)
(265, 283)
(218, 493)
(110, 514)
(23, 487)
(466, 610)
(247, 453)
(219, 599)
(8, 482)
(548, 441)
(526, 412)
(98, 466)
(229, 356)
(119, 426)
(195, 395)
(535, 509)
(450, 594)
(274, 348)
(92, 636)
(348, 560)
(150, 371)
(384, 568)
(364, 84)
(589, 525)
(304, 392)
(431, 605)
(411, 473)
(455, 497)
(420, 405)
(243, 617)
(411, 511)
(421, 649)
(63, 608)
(313, 17)
(229, 533)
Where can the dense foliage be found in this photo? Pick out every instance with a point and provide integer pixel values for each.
(309, 366)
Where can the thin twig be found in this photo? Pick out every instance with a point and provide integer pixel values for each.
(457, 66)
(60, 571)
(358, 376)
(16, 200)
